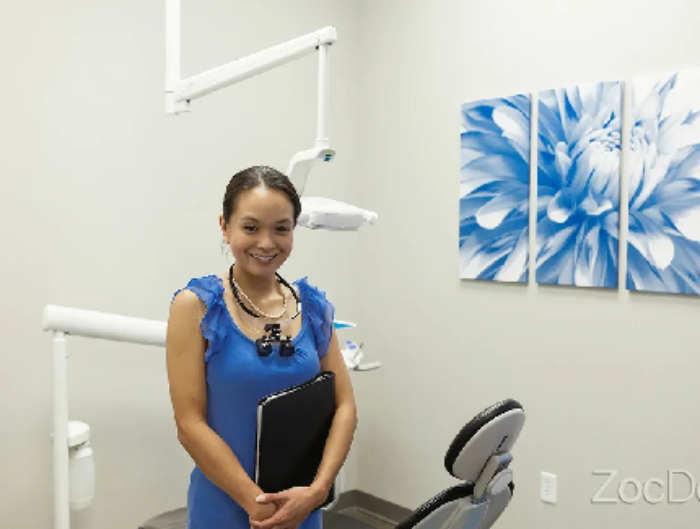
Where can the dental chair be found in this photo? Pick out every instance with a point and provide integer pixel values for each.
(479, 456)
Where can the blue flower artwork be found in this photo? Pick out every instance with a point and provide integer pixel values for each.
(663, 242)
(578, 185)
(494, 189)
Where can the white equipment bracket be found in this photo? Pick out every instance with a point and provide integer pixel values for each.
(317, 213)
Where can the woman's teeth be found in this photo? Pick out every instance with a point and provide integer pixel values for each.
(262, 257)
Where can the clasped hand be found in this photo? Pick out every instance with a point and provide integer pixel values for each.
(293, 506)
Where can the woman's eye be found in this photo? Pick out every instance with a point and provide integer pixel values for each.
(283, 228)
(249, 228)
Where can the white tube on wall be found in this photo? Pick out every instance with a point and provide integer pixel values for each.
(92, 324)
(322, 112)
(60, 432)
(173, 57)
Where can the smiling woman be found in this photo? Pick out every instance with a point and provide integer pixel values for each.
(260, 210)
(218, 371)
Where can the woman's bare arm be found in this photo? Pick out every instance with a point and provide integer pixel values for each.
(185, 349)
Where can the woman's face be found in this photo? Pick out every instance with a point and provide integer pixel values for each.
(260, 231)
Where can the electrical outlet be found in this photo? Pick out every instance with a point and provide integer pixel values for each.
(548, 487)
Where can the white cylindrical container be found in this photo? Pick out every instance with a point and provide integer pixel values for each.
(81, 466)
(82, 477)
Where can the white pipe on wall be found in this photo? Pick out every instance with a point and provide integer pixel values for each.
(60, 432)
(92, 324)
(89, 324)
(323, 81)
(172, 52)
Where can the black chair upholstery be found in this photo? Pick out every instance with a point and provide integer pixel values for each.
(433, 505)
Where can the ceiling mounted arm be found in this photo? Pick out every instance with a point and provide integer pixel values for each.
(180, 92)
(317, 213)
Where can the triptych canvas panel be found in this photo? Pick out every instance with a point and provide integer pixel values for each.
(663, 243)
(494, 189)
(577, 197)
(578, 185)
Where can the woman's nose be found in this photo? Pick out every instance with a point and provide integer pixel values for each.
(265, 240)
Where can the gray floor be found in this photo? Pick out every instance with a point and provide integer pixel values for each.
(355, 518)
(338, 520)
(373, 511)
(354, 510)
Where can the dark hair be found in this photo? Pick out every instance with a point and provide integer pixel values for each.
(256, 176)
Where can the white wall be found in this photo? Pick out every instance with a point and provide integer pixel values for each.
(111, 205)
(608, 380)
(108, 204)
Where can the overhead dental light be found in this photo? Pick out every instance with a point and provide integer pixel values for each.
(317, 212)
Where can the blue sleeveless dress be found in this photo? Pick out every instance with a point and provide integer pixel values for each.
(237, 378)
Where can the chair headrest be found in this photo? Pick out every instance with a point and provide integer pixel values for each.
(493, 431)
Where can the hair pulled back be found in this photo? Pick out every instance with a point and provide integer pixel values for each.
(257, 176)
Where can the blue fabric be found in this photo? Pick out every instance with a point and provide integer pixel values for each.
(237, 378)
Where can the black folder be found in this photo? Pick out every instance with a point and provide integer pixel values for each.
(293, 426)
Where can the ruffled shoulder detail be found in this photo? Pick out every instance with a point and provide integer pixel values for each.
(214, 324)
(320, 313)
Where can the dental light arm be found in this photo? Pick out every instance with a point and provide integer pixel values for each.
(179, 92)
(317, 213)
